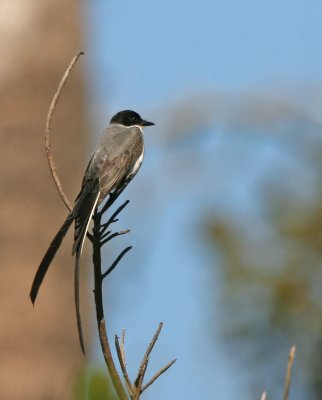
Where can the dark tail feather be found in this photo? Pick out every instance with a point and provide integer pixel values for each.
(48, 257)
(80, 233)
(77, 302)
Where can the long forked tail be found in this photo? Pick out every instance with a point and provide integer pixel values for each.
(81, 229)
(48, 257)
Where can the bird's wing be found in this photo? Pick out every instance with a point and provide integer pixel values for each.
(116, 172)
(48, 257)
(85, 205)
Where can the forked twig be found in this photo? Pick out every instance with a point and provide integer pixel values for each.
(147, 353)
(117, 260)
(289, 373)
(158, 374)
(51, 162)
(109, 236)
(137, 388)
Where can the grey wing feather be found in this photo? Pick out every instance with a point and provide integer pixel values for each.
(83, 210)
(114, 174)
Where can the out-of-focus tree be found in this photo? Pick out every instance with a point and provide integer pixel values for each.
(270, 259)
(251, 165)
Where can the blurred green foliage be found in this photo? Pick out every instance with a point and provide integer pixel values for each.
(93, 384)
(270, 265)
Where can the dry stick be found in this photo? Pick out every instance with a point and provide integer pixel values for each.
(115, 214)
(264, 396)
(147, 353)
(140, 383)
(289, 372)
(123, 347)
(98, 280)
(51, 162)
(117, 260)
(112, 219)
(120, 355)
(158, 374)
(107, 237)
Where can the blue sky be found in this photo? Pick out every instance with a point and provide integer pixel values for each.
(147, 52)
(146, 56)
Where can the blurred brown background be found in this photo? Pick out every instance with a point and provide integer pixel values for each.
(37, 41)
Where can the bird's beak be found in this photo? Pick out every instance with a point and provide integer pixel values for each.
(146, 123)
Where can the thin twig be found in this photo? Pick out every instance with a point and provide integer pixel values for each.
(123, 366)
(264, 396)
(51, 162)
(104, 235)
(109, 360)
(112, 198)
(117, 260)
(148, 351)
(123, 347)
(116, 213)
(158, 374)
(140, 382)
(113, 219)
(289, 373)
(109, 237)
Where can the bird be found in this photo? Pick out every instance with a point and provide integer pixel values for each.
(114, 163)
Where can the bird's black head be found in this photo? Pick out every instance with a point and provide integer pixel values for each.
(129, 118)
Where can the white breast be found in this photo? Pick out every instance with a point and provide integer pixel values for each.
(137, 165)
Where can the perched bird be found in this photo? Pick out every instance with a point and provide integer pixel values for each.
(116, 160)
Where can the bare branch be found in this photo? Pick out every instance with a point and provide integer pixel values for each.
(113, 217)
(51, 162)
(109, 237)
(289, 373)
(148, 352)
(158, 374)
(123, 347)
(122, 364)
(112, 198)
(109, 361)
(117, 383)
(117, 260)
(104, 235)
(139, 382)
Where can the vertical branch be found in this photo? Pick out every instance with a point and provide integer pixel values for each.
(98, 280)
